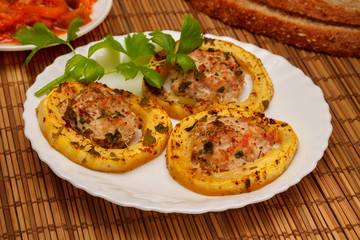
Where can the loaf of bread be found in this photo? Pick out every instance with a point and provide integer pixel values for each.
(331, 37)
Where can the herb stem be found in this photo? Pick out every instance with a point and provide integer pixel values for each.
(110, 71)
(71, 47)
(52, 84)
(154, 63)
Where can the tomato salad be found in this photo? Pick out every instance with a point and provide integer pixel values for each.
(55, 14)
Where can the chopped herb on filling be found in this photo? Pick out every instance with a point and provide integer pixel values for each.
(208, 147)
(225, 143)
(217, 77)
(103, 116)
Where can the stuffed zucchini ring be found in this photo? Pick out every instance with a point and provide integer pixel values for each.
(93, 125)
(217, 80)
(227, 151)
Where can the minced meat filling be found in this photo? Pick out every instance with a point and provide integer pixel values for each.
(217, 77)
(225, 143)
(103, 116)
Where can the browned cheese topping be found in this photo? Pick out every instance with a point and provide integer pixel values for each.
(102, 115)
(217, 77)
(225, 143)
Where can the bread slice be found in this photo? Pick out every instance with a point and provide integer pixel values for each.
(336, 11)
(339, 40)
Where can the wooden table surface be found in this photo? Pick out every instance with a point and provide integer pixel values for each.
(37, 204)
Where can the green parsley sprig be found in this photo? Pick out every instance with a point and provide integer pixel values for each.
(84, 68)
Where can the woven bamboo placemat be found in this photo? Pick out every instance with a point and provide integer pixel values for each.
(36, 204)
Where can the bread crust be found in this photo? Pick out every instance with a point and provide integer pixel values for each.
(322, 10)
(294, 30)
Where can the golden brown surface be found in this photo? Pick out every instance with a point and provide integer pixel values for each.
(249, 177)
(35, 203)
(259, 99)
(85, 152)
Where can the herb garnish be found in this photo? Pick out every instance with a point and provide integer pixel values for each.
(84, 69)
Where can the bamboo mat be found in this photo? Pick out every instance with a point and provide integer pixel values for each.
(36, 204)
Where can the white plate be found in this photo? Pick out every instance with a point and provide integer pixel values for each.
(150, 187)
(100, 10)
